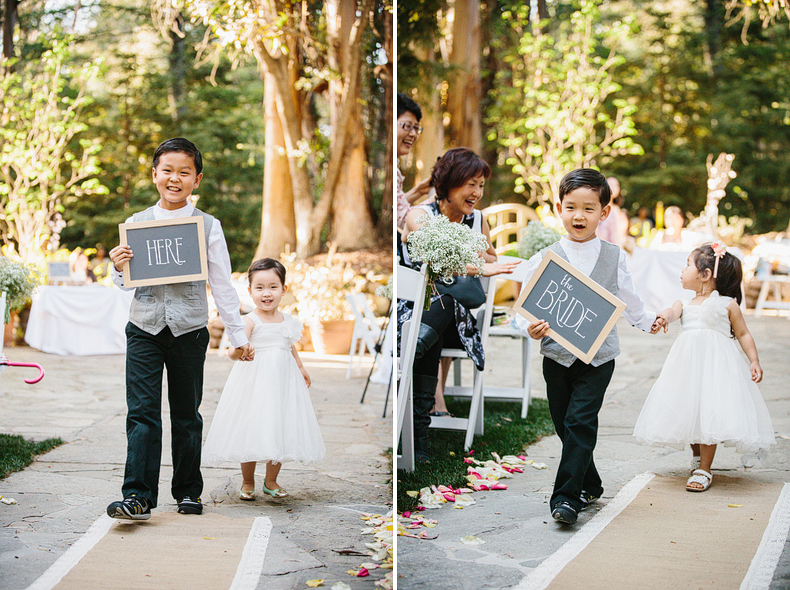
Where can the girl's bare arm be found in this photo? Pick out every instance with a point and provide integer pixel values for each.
(741, 331)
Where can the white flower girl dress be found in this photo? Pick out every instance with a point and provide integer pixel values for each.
(704, 393)
(265, 412)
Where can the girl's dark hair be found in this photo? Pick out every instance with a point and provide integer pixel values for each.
(455, 168)
(586, 178)
(267, 264)
(406, 104)
(179, 144)
(730, 274)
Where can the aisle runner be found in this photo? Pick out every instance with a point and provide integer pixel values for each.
(667, 537)
(210, 551)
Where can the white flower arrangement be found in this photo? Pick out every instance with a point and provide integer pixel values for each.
(18, 280)
(536, 237)
(446, 247)
(385, 290)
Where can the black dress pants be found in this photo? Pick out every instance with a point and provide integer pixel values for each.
(575, 397)
(146, 358)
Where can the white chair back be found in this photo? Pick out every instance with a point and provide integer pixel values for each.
(366, 329)
(410, 285)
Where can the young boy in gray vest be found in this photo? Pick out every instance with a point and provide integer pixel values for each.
(575, 390)
(167, 329)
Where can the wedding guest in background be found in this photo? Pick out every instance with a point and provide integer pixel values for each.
(459, 178)
(614, 229)
(409, 130)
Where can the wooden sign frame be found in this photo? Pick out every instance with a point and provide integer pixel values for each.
(607, 323)
(133, 275)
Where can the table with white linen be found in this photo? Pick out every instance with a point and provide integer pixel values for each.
(86, 320)
(656, 275)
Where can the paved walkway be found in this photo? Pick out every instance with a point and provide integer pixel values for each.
(81, 399)
(516, 526)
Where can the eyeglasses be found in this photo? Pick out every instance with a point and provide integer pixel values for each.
(408, 127)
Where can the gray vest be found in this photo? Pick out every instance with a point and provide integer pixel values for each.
(605, 274)
(182, 307)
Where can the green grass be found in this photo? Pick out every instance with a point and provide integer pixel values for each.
(16, 453)
(505, 434)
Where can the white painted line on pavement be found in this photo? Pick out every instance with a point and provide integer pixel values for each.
(761, 570)
(249, 571)
(541, 576)
(52, 577)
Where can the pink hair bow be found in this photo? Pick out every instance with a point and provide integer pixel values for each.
(719, 249)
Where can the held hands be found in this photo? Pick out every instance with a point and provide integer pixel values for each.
(661, 322)
(756, 371)
(247, 352)
(538, 330)
(120, 255)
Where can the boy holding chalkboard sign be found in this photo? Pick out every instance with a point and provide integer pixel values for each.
(167, 328)
(575, 389)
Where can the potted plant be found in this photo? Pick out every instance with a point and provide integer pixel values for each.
(318, 298)
(17, 282)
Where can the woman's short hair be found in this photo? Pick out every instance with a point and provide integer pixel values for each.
(455, 168)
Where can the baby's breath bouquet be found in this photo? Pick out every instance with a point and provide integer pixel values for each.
(536, 237)
(446, 247)
(385, 290)
(17, 280)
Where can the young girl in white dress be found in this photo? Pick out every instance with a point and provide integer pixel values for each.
(265, 413)
(706, 393)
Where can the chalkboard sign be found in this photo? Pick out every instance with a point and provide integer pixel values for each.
(579, 311)
(166, 251)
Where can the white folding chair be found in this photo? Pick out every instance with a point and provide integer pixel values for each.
(410, 285)
(474, 423)
(514, 393)
(366, 330)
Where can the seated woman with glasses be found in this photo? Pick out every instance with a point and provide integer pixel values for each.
(409, 115)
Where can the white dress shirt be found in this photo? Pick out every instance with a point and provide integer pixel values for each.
(584, 256)
(219, 269)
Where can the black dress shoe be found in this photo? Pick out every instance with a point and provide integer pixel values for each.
(564, 513)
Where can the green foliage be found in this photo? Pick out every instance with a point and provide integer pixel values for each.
(134, 110)
(46, 160)
(506, 433)
(549, 112)
(17, 280)
(16, 453)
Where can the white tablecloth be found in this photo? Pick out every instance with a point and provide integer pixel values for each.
(79, 320)
(656, 275)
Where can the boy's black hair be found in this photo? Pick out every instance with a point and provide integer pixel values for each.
(730, 272)
(179, 144)
(406, 104)
(267, 264)
(586, 178)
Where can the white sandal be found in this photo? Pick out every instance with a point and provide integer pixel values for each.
(700, 477)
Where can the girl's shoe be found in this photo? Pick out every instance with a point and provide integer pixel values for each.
(275, 493)
(700, 477)
(247, 495)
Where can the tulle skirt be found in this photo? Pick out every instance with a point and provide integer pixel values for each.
(705, 395)
(265, 414)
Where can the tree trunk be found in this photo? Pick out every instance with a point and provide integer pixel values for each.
(430, 146)
(352, 223)
(278, 224)
(384, 224)
(464, 94)
(10, 20)
(178, 108)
